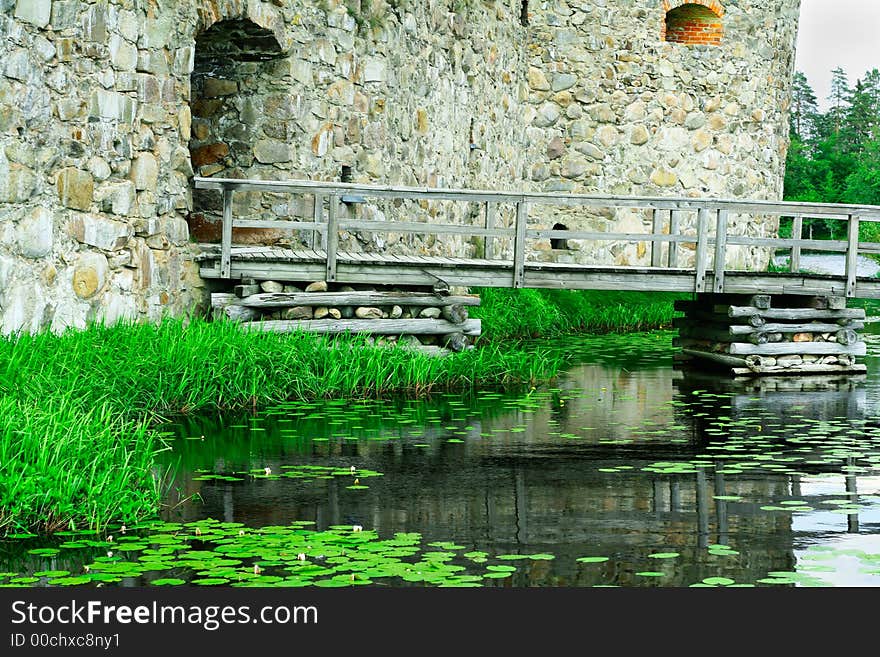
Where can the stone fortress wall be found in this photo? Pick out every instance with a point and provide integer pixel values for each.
(108, 107)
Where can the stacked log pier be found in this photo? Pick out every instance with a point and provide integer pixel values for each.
(761, 335)
(433, 322)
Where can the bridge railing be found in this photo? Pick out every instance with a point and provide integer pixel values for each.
(711, 232)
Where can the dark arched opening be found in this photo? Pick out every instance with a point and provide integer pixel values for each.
(694, 24)
(232, 84)
(559, 242)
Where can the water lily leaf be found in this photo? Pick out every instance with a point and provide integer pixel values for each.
(168, 581)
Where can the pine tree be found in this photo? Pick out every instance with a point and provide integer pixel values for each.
(863, 114)
(804, 108)
(839, 99)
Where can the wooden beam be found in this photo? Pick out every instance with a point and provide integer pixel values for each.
(332, 238)
(799, 348)
(792, 313)
(811, 327)
(797, 229)
(702, 250)
(375, 326)
(519, 246)
(282, 299)
(720, 250)
(657, 247)
(222, 299)
(488, 240)
(722, 359)
(674, 227)
(226, 237)
(736, 206)
(317, 216)
(803, 368)
(852, 255)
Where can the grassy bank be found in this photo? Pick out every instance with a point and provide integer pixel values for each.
(75, 413)
(511, 314)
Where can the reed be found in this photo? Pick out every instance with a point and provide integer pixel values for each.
(76, 443)
(528, 313)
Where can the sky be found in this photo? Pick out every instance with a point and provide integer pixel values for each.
(837, 33)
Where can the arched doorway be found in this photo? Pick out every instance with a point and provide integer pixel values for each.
(235, 131)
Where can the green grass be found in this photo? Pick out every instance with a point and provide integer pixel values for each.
(65, 464)
(76, 409)
(525, 313)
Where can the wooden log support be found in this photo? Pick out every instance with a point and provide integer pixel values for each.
(242, 291)
(755, 321)
(711, 301)
(374, 326)
(702, 332)
(812, 348)
(722, 359)
(792, 313)
(284, 299)
(220, 300)
(812, 327)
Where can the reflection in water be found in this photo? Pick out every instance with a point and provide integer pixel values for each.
(625, 457)
(532, 471)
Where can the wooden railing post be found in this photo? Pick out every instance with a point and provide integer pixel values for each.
(797, 232)
(488, 241)
(720, 250)
(657, 247)
(674, 223)
(519, 245)
(852, 255)
(332, 237)
(317, 215)
(702, 254)
(226, 239)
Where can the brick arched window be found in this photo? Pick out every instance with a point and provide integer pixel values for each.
(695, 23)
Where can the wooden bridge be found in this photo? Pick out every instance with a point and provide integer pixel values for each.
(750, 322)
(699, 225)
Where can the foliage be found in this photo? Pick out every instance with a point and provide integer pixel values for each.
(527, 313)
(75, 409)
(835, 155)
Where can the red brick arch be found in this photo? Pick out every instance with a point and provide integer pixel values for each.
(692, 22)
(714, 5)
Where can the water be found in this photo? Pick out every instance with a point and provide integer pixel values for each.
(622, 458)
(832, 264)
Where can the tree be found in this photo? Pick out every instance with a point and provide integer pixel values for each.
(862, 124)
(839, 99)
(804, 108)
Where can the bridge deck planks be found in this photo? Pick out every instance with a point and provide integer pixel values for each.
(265, 263)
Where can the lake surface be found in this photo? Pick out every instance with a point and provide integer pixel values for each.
(647, 475)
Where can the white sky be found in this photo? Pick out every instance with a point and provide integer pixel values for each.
(835, 33)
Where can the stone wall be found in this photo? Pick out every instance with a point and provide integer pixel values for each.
(620, 111)
(107, 108)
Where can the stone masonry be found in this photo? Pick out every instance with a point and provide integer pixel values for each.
(109, 107)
